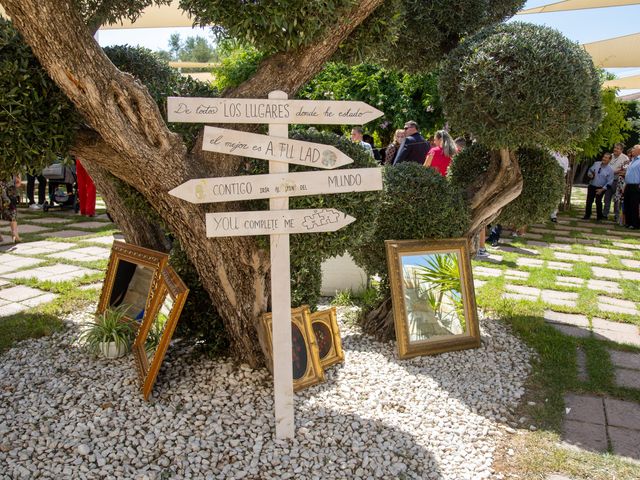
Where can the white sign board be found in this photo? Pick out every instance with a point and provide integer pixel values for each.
(260, 110)
(235, 224)
(273, 185)
(254, 145)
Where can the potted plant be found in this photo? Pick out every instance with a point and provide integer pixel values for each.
(111, 334)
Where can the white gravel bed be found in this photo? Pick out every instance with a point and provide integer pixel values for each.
(65, 414)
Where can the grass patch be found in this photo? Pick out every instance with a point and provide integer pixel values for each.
(22, 326)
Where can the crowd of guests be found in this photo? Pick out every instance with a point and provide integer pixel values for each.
(62, 191)
(615, 178)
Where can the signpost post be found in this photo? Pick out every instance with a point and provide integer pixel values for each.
(279, 222)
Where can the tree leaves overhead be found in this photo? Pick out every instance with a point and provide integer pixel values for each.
(37, 121)
(521, 84)
(268, 25)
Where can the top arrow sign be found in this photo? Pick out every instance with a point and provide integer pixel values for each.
(258, 110)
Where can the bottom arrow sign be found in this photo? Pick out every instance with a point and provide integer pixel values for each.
(235, 224)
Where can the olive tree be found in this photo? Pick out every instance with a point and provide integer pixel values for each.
(124, 138)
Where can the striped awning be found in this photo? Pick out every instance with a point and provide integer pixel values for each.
(577, 5)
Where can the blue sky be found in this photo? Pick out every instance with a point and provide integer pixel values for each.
(582, 26)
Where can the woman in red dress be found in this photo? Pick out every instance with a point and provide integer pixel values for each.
(439, 157)
(86, 191)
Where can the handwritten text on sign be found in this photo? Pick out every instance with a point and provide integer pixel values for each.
(254, 145)
(249, 110)
(233, 224)
(249, 187)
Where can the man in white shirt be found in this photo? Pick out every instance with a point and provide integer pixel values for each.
(618, 161)
(356, 137)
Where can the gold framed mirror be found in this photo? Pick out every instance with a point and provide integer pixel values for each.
(156, 331)
(132, 278)
(325, 328)
(434, 308)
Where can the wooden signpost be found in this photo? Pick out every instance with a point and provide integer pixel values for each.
(273, 185)
(265, 147)
(272, 111)
(277, 111)
(236, 224)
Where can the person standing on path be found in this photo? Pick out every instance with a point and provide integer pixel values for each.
(414, 148)
(86, 191)
(601, 176)
(357, 136)
(42, 190)
(439, 157)
(618, 162)
(632, 191)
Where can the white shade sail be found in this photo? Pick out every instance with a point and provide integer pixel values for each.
(618, 52)
(577, 5)
(624, 83)
(166, 16)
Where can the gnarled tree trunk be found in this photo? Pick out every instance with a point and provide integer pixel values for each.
(133, 143)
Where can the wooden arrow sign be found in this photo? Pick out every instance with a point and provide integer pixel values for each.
(254, 145)
(260, 110)
(250, 187)
(235, 224)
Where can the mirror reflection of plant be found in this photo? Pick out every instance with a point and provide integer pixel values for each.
(155, 332)
(112, 325)
(442, 275)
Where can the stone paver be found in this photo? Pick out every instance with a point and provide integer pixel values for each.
(67, 234)
(50, 220)
(615, 331)
(519, 250)
(574, 228)
(625, 442)
(604, 285)
(584, 408)
(54, 273)
(630, 263)
(581, 364)
(37, 248)
(532, 291)
(492, 258)
(565, 267)
(609, 304)
(85, 254)
(576, 257)
(559, 298)
(479, 283)
(589, 436)
(627, 378)
(487, 271)
(11, 309)
(24, 228)
(511, 274)
(529, 262)
(35, 301)
(106, 240)
(91, 286)
(572, 331)
(632, 246)
(621, 413)
(519, 296)
(574, 319)
(89, 225)
(560, 246)
(609, 251)
(625, 359)
(19, 293)
(606, 273)
(569, 281)
(9, 263)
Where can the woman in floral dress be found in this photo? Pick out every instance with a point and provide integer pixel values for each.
(9, 210)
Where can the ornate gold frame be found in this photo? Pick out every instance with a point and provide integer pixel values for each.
(170, 284)
(301, 319)
(395, 250)
(327, 319)
(132, 254)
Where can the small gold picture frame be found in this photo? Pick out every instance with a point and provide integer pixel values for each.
(325, 328)
(132, 277)
(307, 370)
(156, 331)
(434, 308)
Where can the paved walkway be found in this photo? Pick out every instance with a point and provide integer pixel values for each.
(58, 246)
(586, 276)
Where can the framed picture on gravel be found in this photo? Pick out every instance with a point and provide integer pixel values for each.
(325, 328)
(434, 307)
(307, 369)
(133, 275)
(156, 331)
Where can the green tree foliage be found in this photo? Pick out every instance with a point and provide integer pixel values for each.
(193, 49)
(542, 182)
(401, 96)
(520, 84)
(416, 203)
(613, 128)
(37, 122)
(238, 62)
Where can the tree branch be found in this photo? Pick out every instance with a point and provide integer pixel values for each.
(288, 71)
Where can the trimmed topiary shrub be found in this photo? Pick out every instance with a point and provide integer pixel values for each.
(417, 203)
(542, 182)
(542, 188)
(519, 85)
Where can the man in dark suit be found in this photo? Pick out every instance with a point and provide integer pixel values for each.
(414, 147)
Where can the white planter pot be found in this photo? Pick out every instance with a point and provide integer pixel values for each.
(112, 350)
